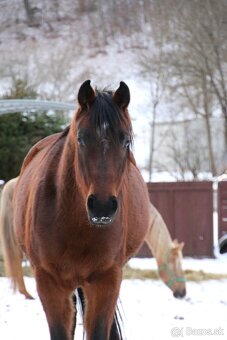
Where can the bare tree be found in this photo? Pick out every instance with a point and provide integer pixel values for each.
(183, 151)
(194, 38)
(152, 68)
(33, 13)
(194, 90)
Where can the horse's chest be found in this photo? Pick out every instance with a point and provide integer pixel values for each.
(82, 260)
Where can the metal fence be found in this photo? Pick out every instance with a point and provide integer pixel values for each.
(20, 105)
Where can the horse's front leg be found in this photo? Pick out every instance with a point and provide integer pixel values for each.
(58, 306)
(101, 296)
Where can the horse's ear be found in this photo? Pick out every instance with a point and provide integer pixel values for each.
(122, 96)
(181, 246)
(177, 247)
(86, 94)
(176, 243)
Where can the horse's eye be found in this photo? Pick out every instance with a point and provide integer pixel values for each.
(80, 141)
(126, 143)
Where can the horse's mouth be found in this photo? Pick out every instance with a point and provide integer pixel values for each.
(100, 222)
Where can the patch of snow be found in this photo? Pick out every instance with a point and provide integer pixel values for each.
(150, 312)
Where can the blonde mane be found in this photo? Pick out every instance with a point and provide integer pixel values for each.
(158, 237)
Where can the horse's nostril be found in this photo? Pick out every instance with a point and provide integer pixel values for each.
(176, 294)
(91, 202)
(101, 211)
(114, 204)
(183, 293)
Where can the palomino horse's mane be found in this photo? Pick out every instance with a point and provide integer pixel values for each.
(160, 236)
(168, 253)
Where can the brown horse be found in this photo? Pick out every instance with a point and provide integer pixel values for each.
(168, 253)
(81, 210)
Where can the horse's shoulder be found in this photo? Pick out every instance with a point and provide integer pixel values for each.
(44, 143)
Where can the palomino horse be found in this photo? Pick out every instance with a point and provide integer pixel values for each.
(81, 210)
(168, 253)
(12, 253)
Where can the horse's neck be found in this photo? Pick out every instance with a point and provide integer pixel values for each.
(66, 169)
(158, 237)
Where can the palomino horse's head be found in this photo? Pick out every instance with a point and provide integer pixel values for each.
(171, 271)
(103, 136)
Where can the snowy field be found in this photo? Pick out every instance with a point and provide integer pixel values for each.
(150, 312)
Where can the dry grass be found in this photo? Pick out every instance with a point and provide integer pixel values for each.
(131, 273)
(190, 275)
(193, 275)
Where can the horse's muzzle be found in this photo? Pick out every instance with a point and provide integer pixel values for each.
(101, 213)
(101, 220)
(179, 294)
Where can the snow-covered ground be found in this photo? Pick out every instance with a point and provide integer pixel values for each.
(150, 311)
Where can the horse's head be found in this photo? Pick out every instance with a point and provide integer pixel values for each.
(171, 271)
(103, 136)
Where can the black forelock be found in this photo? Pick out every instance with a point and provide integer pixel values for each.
(107, 118)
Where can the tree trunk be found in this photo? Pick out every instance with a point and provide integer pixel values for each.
(27, 9)
(152, 141)
(206, 103)
(225, 146)
(34, 15)
(210, 147)
(224, 110)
